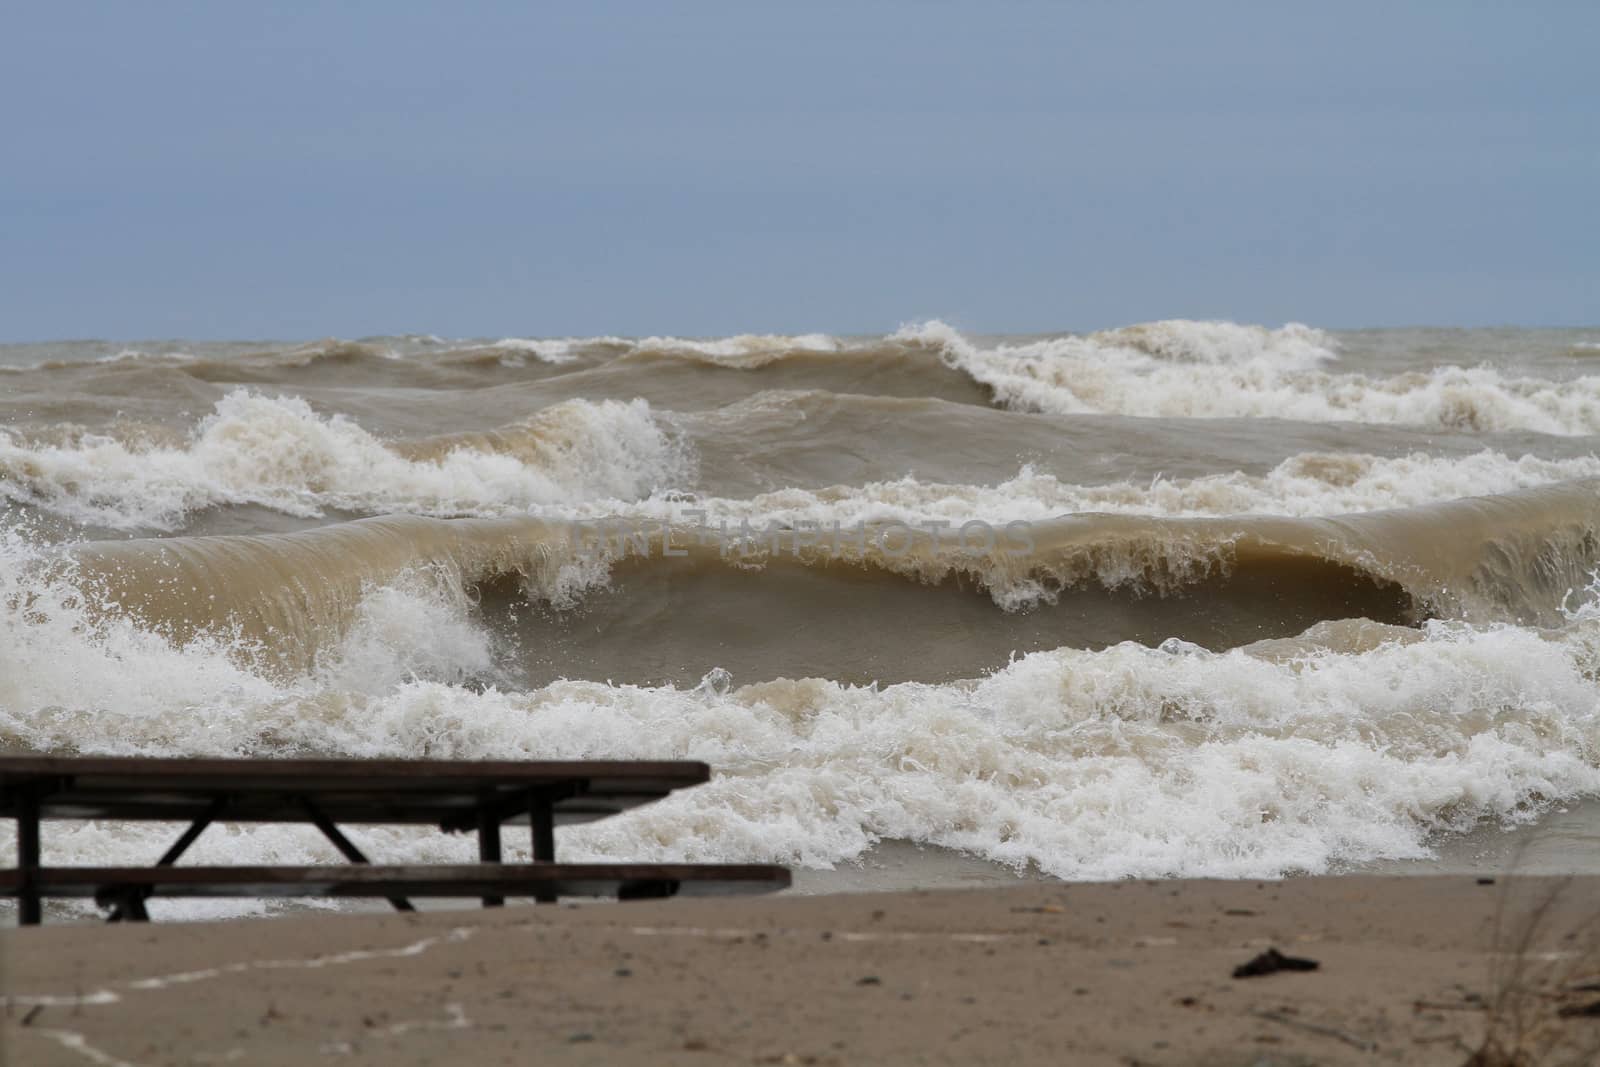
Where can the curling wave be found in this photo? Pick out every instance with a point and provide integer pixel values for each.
(279, 453)
(886, 602)
(1221, 370)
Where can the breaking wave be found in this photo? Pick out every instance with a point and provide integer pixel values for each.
(1132, 760)
(952, 603)
(279, 453)
(1223, 370)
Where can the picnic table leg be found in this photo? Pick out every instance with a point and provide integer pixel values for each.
(131, 906)
(542, 819)
(489, 838)
(192, 834)
(29, 911)
(345, 845)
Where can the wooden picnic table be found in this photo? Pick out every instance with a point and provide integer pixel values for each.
(454, 795)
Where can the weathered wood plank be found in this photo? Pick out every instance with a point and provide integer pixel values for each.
(464, 880)
(445, 793)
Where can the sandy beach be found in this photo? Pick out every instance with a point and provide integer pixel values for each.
(1112, 973)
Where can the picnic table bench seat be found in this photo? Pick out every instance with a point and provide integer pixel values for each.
(626, 881)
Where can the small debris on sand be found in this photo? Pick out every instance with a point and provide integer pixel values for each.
(1271, 962)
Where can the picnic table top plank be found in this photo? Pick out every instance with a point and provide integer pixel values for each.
(436, 792)
(183, 769)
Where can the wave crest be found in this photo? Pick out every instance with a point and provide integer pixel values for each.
(279, 453)
(1222, 370)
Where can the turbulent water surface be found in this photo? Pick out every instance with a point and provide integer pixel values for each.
(1182, 598)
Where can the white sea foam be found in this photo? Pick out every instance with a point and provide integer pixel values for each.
(1295, 345)
(744, 350)
(278, 452)
(548, 350)
(75, 677)
(137, 355)
(64, 666)
(1306, 485)
(1224, 370)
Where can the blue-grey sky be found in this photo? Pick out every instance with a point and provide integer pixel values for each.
(468, 169)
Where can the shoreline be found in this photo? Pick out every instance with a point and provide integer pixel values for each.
(1114, 973)
(1564, 841)
(1560, 842)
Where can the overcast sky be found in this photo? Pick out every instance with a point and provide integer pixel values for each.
(309, 169)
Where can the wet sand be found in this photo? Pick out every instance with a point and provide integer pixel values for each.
(1563, 841)
(1113, 973)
